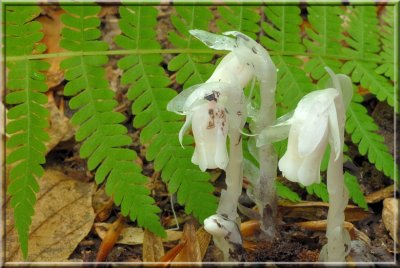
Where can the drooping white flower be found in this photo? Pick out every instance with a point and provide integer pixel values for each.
(212, 109)
(317, 120)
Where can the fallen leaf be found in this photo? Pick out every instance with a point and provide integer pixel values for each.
(390, 215)
(318, 210)
(191, 251)
(321, 226)
(248, 228)
(204, 238)
(51, 27)
(61, 128)
(153, 248)
(102, 204)
(133, 235)
(63, 217)
(380, 195)
(110, 239)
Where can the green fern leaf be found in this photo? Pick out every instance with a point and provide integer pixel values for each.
(239, 18)
(324, 41)
(285, 192)
(28, 117)
(364, 43)
(387, 36)
(150, 94)
(320, 190)
(283, 37)
(363, 132)
(190, 68)
(355, 191)
(104, 137)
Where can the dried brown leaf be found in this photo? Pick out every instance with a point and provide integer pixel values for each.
(380, 195)
(318, 210)
(153, 248)
(63, 217)
(390, 215)
(52, 34)
(102, 204)
(204, 238)
(61, 128)
(191, 251)
(133, 235)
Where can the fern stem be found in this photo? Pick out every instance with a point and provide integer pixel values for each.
(117, 52)
(185, 51)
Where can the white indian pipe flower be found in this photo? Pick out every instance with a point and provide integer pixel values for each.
(316, 121)
(212, 109)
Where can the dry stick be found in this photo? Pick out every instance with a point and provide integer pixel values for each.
(110, 239)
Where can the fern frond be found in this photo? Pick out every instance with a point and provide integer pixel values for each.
(355, 192)
(324, 40)
(239, 18)
(100, 128)
(364, 43)
(28, 116)
(363, 132)
(190, 69)
(387, 36)
(287, 193)
(150, 94)
(283, 35)
(319, 189)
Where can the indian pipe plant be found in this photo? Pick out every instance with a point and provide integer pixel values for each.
(307, 79)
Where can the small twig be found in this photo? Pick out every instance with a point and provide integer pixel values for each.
(110, 239)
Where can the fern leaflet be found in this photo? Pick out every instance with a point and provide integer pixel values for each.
(364, 44)
(287, 193)
(190, 69)
(320, 190)
(239, 18)
(324, 40)
(104, 137)
(28, 117)
(355, 191)
(283, 35)
(192, 186)
(363, 132)
(387, 37)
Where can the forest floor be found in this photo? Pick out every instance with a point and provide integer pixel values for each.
(112, 238)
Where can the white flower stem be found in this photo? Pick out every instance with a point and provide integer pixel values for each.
(338, 198)
(264, 192)
(234, 178)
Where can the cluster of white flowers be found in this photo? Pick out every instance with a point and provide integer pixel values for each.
(216, 109)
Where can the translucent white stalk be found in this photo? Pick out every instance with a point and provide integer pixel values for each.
(319, 119)
(338, 245)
